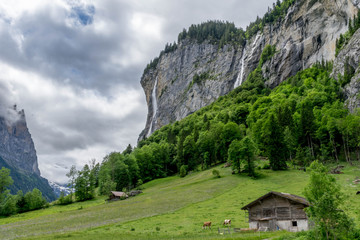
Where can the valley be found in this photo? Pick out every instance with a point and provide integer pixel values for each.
(171, 207)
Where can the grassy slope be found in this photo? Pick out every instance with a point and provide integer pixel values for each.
(169, 207)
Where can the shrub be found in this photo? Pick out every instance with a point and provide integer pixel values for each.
(64, 200)
(183, 171)
(216, 173)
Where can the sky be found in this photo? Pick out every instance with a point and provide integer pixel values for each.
(75, 66)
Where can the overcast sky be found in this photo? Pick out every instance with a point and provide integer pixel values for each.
(74, 66)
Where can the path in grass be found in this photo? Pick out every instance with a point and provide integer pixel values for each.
(160, 196)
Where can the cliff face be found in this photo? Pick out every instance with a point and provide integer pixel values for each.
(16, 146)
(194, 75)
(350, 55)
(17, 153)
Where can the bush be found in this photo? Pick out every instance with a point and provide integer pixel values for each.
(139, 184)
(216, 173)
(183, 171)
(64, 200)
(266, 166)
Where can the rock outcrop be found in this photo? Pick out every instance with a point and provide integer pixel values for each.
(16, 146)
(306, 35)
(350, 55)
(17, 153)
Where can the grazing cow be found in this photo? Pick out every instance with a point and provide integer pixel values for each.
(207, 224)
(227, 222)
(358, 192)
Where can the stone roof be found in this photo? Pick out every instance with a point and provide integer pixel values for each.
(289, 196)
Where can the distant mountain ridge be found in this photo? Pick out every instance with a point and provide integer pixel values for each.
(193, 74)
(17, 152)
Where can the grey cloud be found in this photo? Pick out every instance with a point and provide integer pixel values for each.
(63, 46)
(6, 104)
(76, 53)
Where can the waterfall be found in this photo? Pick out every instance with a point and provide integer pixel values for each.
(154, 105)
(254, 44)
(239, 78)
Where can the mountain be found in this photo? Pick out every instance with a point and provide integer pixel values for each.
(193, 74)
(17, 153)
(58, 188)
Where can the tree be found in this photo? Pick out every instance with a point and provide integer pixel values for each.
(7, 201)
(182, 171)
(247, 153)
(8, 205)
(34, 200)
(5, 180)
(84, 184)
(20, 202)
(230, 132)
(128, 150)
(274, 143)
(326, 198)
(189, 152)
(72, 177)
(133, 168)
(106, 185)
(234, 155)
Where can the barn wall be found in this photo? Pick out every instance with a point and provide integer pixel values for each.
(253, 224)
(302, 225)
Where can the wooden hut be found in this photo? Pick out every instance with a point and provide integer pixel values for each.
(118, 195)
(278, 211)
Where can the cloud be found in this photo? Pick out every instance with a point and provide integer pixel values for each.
(64, 119)
(75, 67)
(7, 102)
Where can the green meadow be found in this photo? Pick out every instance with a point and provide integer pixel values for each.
(172, 208)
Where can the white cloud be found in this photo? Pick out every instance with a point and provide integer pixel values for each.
(75, 67)
(74, 123)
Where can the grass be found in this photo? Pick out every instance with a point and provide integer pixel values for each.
(171, 208)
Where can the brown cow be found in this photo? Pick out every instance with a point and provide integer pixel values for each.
(207, 224)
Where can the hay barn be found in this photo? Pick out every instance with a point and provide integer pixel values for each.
(278, 211)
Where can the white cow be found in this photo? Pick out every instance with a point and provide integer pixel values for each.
(227, 222)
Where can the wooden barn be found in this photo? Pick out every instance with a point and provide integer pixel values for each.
(117, 195)
(278, 211)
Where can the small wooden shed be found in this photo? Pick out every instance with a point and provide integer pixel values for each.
(278, 211)
(117, 195)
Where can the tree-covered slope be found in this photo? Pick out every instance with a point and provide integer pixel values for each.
(301, 120)
(212, 58)
(27, 182)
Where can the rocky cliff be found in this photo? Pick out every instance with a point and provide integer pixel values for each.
(350, 55)
(17, 147)
(307, 34)
(17, 153)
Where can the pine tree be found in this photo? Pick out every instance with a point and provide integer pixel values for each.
(274, 144)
